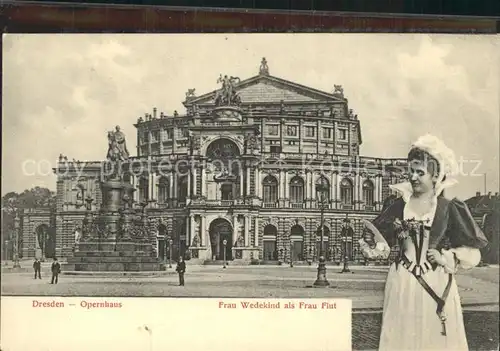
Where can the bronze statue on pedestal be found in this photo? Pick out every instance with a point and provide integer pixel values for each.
(117, 150)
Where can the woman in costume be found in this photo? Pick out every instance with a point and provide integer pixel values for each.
(436, 236)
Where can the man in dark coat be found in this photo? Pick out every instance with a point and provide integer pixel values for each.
(181, 269)
(56, 269)
(37, 266)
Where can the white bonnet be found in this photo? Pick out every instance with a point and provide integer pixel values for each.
(448, 165)
(443, 154)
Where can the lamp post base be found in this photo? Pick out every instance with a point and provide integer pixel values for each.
(16, 264)
(321, 280)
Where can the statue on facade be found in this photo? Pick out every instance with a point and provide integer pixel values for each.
(194, 142)
(240, 242)
(338, 90)
(117, 150)
(252, 142)
(78, 235)
(227, 95)
(196, 241)
(41, 239)
(190, 93)
(264, 68)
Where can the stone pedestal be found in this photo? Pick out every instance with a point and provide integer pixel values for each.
(201, 253)
(114, 257)
(246, 254)
(108, 245)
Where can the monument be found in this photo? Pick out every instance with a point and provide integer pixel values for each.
(227, 100)
(117, 237)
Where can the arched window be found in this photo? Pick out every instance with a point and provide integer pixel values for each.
(297, 190)
(222, 149)
(368, 190)
(270, 250)
(163, 190)
(322, 182)
(270, 189)
(143, 189)
(346, 192)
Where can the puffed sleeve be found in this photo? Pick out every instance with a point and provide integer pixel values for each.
(461, 258)
(382, 231)
(462, 228)
(381, 251)
(385, 221)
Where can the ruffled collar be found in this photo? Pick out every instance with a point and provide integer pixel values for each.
(406, 190)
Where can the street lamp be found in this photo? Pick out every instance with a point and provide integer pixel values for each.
(224, 243)
(170, 243)
(321, 190)
(346, 230)
(16, 241)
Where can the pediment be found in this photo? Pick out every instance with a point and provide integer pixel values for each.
(269, 89)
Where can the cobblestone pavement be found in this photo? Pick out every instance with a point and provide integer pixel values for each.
(481, 328)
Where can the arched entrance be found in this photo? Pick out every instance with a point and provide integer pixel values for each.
(220, 230)
(45, 240)
(270, 250)
(163, 252)
(297, 238)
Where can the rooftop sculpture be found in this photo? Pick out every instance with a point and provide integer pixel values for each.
(227, 95)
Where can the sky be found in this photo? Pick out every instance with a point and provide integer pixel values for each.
(63, 92)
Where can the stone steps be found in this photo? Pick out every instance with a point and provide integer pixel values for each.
(113, 267)
(112, 259)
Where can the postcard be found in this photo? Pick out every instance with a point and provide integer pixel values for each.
(250, 191)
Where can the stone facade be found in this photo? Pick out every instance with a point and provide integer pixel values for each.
(245, 175)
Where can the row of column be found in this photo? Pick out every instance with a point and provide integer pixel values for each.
(284, 179)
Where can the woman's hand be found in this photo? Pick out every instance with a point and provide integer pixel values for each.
(435, 257)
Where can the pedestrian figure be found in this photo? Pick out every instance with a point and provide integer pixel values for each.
(181, 268)
(56, 269)
(37, 266)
